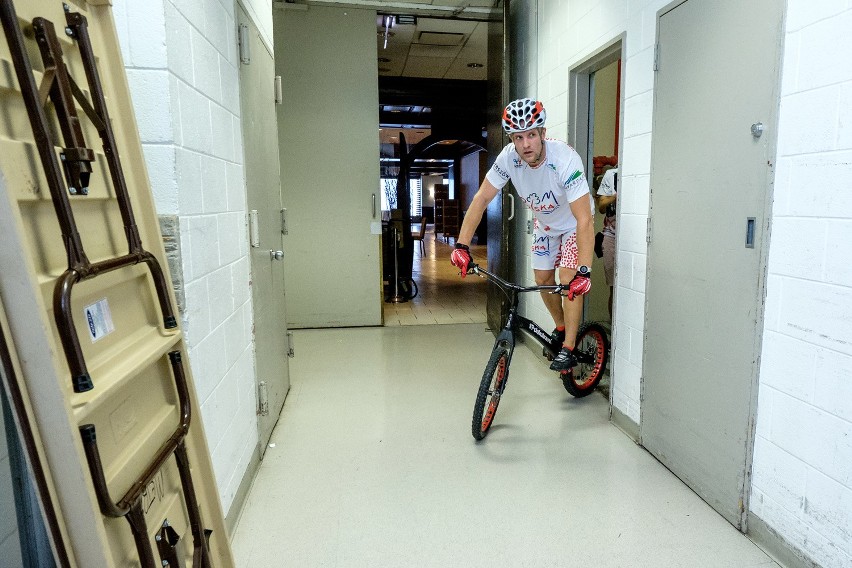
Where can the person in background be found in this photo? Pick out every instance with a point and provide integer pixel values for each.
(549, 178)
(605, 199)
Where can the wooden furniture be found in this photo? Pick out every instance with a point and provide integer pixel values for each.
(452, 219)
(418, 236)
(442, 192)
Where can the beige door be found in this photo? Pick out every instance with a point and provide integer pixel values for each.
(717, 76)
(103, 363)
(263, 184)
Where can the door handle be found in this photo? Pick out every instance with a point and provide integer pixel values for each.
(512, 210)
(276, 255)
(374, 206)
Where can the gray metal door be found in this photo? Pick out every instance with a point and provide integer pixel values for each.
(710, 176)
(328, 135)
(263, 186)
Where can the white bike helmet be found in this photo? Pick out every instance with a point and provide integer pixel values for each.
(522, 115)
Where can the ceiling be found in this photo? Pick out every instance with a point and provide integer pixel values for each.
(446, 38)
(446, 45)
(461, 9)
(433, 49)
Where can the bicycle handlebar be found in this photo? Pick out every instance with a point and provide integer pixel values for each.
(482, 273)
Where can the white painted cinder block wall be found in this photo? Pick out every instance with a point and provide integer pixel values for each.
(802, 478)
(182, 67)
(802, 467)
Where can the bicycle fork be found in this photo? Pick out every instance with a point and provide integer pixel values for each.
(506, 340)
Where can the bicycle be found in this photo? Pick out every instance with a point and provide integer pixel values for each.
(591, 351)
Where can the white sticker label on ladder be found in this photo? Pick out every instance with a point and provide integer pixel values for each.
(99, 320)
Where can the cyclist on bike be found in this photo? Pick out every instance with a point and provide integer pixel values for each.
(548, 176)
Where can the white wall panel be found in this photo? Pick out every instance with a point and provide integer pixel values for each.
(182, 62)
(809, 285)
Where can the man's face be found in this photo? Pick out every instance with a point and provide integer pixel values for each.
(529, 145)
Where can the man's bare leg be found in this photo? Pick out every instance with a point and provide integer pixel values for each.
(553, 302)
(572, 309)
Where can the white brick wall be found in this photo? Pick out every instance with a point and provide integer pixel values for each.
(802, 484)
(802, 468)
(569, 32)
(181, 60)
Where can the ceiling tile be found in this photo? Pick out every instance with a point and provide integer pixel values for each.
(420, 50)
(434, 67)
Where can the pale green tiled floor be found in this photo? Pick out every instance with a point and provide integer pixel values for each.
(374, 466)
(443, 297)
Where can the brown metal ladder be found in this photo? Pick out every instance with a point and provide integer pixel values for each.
(58, 85)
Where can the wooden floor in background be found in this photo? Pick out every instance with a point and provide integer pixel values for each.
(443, 296)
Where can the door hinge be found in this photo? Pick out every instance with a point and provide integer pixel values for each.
(656, 57)
(254, 229)
(284, 221)
(262, 399)
(279, 90)
(243, 39)
(648, 231)
(291, 348)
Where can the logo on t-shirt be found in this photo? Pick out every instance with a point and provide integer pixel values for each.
(503, 174)
(574, 176)
(545, 203)
(517, 162)
(541, 245)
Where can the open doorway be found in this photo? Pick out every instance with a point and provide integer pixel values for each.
(596, 117)
(433, 100)
(440, 178)
(605, 95)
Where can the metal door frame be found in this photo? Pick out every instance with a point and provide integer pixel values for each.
(579, 126)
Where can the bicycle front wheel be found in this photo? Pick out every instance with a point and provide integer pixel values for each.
(490, 390)
(592, 351)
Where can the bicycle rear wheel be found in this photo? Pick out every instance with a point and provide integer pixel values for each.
(490, 390)
(592, 351)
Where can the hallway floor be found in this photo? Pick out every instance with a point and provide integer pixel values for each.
(443, 297)
(372, 464)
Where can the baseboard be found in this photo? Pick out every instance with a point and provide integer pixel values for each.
(625, 424)
(775, 545)
(233, 516)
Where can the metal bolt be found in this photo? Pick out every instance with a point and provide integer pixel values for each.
(158, 538)
(165, 562)
(68, 31)
(66, 7)
(85, 191)
(72, 190)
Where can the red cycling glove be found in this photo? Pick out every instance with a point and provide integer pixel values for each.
(579, 285)
(461, 258)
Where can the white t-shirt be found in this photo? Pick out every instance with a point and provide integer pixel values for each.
(608, 188)
(547, 189)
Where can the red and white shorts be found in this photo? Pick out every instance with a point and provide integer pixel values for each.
(551, 251)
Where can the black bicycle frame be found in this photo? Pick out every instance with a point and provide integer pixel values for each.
(516, 322)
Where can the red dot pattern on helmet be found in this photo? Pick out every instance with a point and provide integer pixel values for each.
(523, 114)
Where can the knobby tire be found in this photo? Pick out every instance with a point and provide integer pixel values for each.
(592, 349)
(490, 390)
